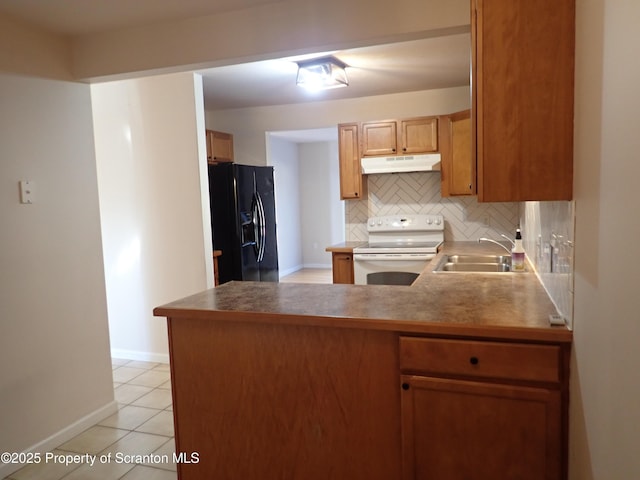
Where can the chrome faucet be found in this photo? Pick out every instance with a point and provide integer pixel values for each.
(513, 243)
(483, 239)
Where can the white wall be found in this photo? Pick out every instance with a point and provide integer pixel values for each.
(309, 213)
(604, 384)
(323, 218)
(266, 29)
(54, 344)
(151, 171)
(283, 156)
(249, 125)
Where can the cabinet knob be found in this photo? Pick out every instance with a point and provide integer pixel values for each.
(404, 149)
(405, 386)
(474, 361)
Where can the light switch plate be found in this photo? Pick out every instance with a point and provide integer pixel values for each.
(27, 192)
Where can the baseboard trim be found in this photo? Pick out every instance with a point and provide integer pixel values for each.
(64, 435)
(323, 266)
(288, 271)
(138, 355)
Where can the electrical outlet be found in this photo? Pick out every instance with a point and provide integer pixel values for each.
(486, 221)
(27, 191)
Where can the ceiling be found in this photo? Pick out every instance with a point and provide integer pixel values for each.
(81, 17)
(424, 64)
(440, 61)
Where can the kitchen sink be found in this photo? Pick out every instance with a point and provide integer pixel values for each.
(474, 263)
(475, 267)
(506, 259)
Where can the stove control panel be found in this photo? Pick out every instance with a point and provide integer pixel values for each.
(395, 223)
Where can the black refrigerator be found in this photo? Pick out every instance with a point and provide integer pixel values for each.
(243, 222)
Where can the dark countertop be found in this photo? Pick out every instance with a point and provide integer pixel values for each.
(482, 305)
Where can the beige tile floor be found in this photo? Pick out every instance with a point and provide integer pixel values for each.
(309, 275)
(142, 425)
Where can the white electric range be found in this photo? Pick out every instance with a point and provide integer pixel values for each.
(399, 248)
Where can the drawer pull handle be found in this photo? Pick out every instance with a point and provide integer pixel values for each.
(474, 361)
(405, 386)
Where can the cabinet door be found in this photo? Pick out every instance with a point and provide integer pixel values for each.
(459, 430)
(458, 165)
(352, 185)
(524, 64)
(342, 268)
(379, 138)
(219, 147)
(419, 135)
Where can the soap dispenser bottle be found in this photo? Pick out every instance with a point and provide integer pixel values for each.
(517, 254)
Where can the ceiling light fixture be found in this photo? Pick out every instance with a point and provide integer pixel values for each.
(322, 73)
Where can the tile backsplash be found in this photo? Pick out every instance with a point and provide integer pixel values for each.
(548, 238)
(547, 227)
(419, 193)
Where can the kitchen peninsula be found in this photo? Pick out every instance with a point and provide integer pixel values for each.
(458, 373)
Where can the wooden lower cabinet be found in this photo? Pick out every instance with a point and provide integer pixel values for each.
(271, 401)
(460, 430)
(280, 398)
(342, 267)
(483, 410)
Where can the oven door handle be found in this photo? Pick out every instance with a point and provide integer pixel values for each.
(390, 257)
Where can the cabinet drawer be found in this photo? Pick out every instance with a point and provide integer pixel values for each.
(537, 363)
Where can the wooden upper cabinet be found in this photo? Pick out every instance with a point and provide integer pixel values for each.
(523, 66)
(458, 168)
(379, 138)
(219, 147)
(419, 135)
(352, 183)
(400, 137)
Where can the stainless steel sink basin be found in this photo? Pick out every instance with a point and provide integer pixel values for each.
(474, 263)
(475, 267)
(506, 259)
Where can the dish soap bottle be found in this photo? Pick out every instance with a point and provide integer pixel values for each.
(517, 254)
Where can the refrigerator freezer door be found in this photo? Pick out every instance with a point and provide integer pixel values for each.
(265, 188)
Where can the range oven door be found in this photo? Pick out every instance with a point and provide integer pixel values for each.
(388, 269)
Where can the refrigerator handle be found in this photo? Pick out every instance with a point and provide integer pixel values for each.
(258, 221)
(260, 228)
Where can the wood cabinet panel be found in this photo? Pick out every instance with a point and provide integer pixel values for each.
(342, 264)
(272, 401)
(497, 360)
(352, 183)
(379, 138)
(483, 410)
(457, 430)
(400, 137)
(419, 135)
(219, 147)
(523, 69)
(458, 170)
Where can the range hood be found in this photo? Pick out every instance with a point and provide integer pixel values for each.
(399, 164)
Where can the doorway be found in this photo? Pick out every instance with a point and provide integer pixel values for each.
(310, 214)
